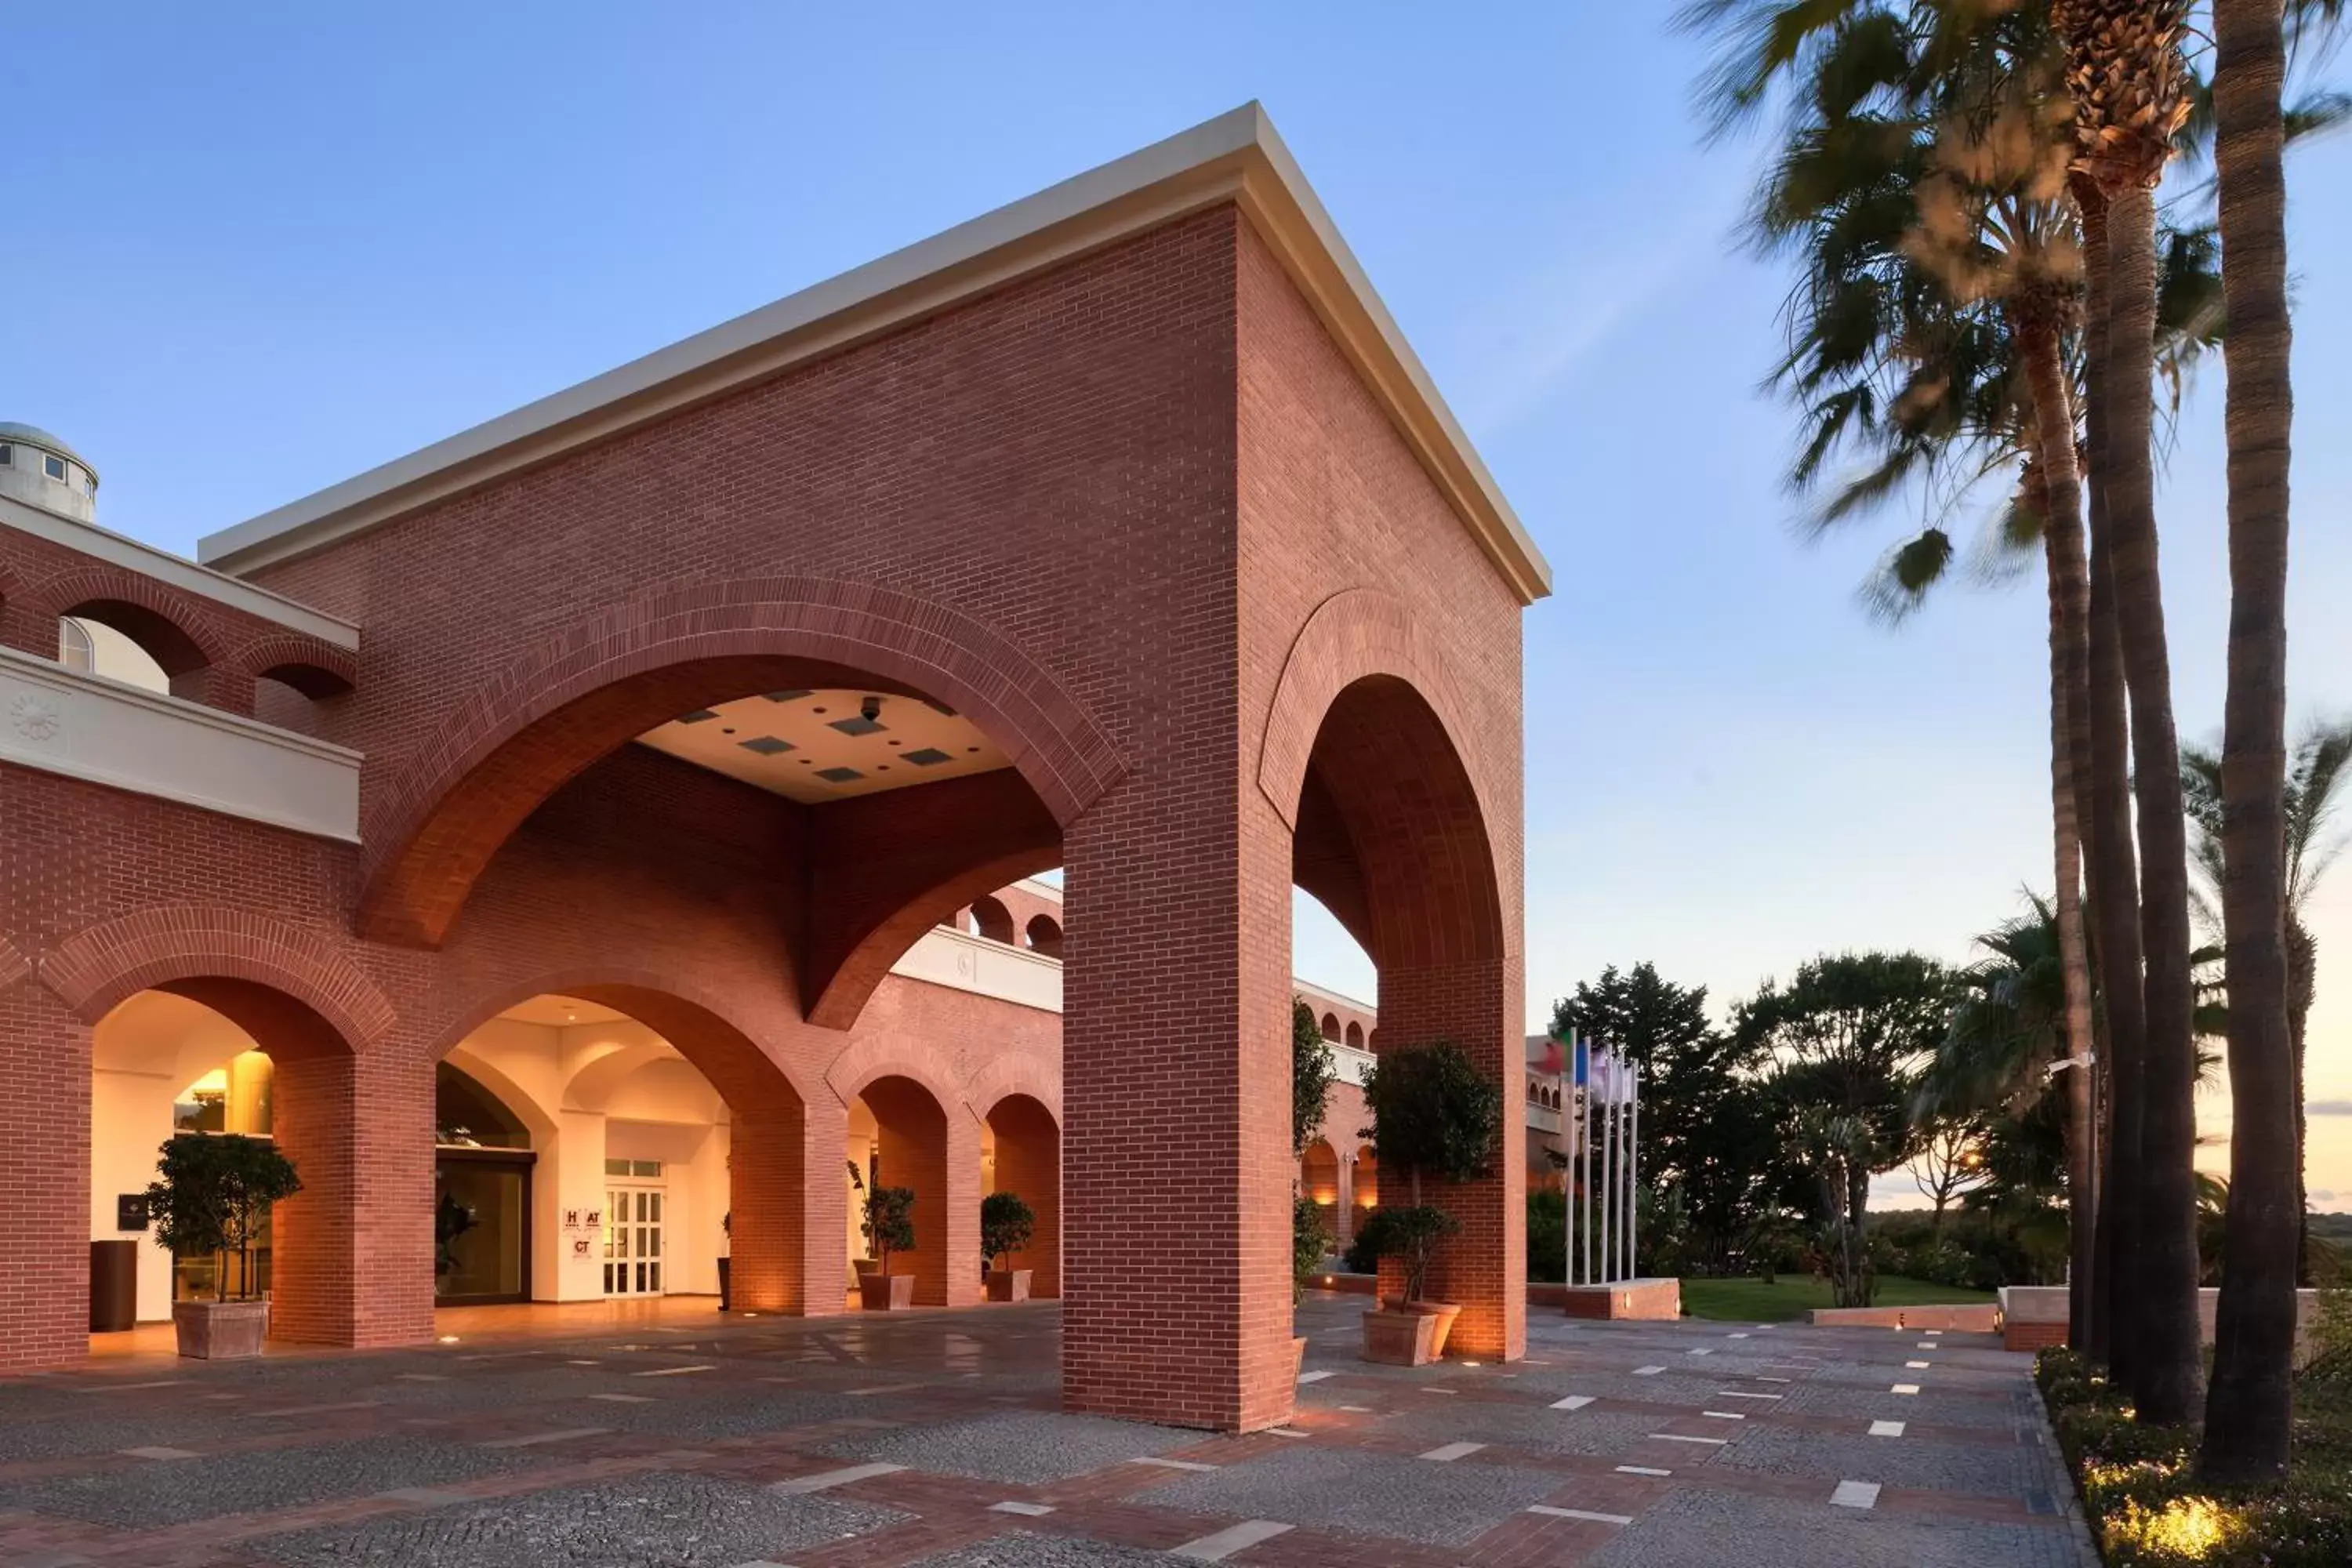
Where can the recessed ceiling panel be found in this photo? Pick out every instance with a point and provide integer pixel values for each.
(816, 746)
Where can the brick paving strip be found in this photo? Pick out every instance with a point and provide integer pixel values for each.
(911, 1439)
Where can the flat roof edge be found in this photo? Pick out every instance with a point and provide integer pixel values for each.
(1237, 156)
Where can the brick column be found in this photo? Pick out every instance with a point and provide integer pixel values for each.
(216, 686)
(314, 1234)
(774, 1268)
(1483, 1268)
(1177, 1169)
(44, 1169)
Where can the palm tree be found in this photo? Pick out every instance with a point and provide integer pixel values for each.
(1923, 188)
(2319, 770)
(2129, 83)
(2248, 1414)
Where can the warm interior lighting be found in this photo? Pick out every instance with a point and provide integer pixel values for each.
(448, 1339)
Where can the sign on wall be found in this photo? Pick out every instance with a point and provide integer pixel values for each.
(131, 1211)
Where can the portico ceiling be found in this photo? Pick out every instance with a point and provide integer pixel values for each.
(816, 746)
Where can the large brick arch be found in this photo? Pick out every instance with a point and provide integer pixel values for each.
(1364, 756)
(839, 983)
(576, 695)
(1014, 1072)
(857, 1068)
(192, 947)
(1356, 633)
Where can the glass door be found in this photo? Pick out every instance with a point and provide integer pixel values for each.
(633, 1241)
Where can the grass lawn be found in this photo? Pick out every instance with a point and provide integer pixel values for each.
(1793, 1296)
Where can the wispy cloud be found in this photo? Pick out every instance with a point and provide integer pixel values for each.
(2329, 1108)
(1536, 335)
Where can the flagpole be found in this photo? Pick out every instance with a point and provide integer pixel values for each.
(1568, 1170)
(1584, 1152)
(1609, 1176)
(1632, 1174)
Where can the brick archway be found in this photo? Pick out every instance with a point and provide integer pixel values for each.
(927, 1140)
(579, 693)
(153, 949)
(772, 1207)
(1028, 1133)
(169, 627)
(1363, 756)
(315, 1016)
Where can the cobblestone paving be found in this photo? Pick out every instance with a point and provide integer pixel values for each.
(934, 1439)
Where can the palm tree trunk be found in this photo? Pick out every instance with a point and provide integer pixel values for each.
(2059, 493)
(2249, 1417)
(2302, 975)
(2112, 863)
(2167, 1356)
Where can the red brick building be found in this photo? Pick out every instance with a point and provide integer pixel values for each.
(1118, 528)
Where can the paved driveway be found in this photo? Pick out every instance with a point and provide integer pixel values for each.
(934, 1439)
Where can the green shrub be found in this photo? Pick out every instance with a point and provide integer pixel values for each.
(1362, 1257)
(2147, 1507)
(1006, 1224)
(215, 1189)
(1546, 1235)
(891, 1223)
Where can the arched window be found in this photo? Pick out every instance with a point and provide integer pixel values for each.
(993, 920)
(1356, 1034)
(1045, 936)
(1331, 1026)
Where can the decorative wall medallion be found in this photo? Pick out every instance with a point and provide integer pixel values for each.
(32, 718)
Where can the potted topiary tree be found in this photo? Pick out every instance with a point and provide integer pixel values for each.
(215, 1191)
(891, 1226)
(1433, 1114)
(1006, 1224)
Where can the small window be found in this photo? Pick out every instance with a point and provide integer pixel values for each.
(53, 467)
(7, 455)
(75, 650)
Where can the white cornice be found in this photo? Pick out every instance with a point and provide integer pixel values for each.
(1236, 158)
(104, 544)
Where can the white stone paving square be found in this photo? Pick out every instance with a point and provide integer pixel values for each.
(1647, 1371)
(1642, 1471)
(1026, 1510)
(1855, 1494)
(1225, 1542)
(1448, 1453)
(1916, 1365)
(1887, 1429)
(1586, 1514)
(1573, 1402)
(1313, 1376)
(1904, 1388)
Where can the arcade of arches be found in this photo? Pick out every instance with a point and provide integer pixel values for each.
(634, 806)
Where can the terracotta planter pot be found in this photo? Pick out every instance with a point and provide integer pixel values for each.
(1009, 1284)
(220, 1330)
(1409, 1333)
(866, 1265)
(886, 1292)
(1298, 1360)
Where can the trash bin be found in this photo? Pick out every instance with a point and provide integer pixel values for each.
(113, 1286)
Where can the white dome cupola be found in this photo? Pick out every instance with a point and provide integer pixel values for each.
(38, 469)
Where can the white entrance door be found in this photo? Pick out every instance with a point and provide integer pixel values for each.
(633, 1241)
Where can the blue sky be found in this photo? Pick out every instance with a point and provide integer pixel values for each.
(258, 250)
